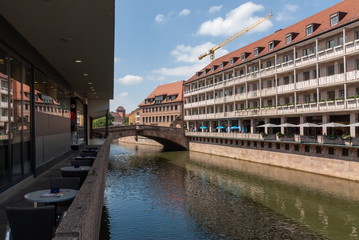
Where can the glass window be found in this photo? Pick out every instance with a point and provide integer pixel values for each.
(341, 68)
(306, 98)
(331, 95)
(271, 45)
(356, 35)
(334, 19)
(256, 51)
(330, 70)
(306, 75)
(306, 52)
(286, 80)
(340, 41)
(288, 38)
(309, 30)
(330, 44)
(243, 56)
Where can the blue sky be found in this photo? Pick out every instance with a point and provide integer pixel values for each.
(159, 41)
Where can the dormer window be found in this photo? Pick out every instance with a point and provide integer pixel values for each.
(271, 45)
(288, 38)
(334, 19)
(198, 74)
(233, 60)
(309, 29)
(222, 65)
(256, 51)
(214, 67)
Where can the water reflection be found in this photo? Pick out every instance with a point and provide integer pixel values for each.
(184, 195)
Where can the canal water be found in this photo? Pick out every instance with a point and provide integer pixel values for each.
(151, 194)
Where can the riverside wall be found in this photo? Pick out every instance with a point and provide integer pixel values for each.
(83, 219)
(140, 140)
(313, 164)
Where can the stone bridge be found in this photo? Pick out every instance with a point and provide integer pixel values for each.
(170, 138)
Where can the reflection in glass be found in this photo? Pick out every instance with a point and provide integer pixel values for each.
(4, 120)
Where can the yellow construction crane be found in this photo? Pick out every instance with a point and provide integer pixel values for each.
(234, 36)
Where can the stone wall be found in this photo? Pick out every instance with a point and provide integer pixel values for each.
(140, 140)
(83, 218)
(319, 165)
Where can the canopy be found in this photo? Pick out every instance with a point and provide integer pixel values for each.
(202, 127)
(333, 124)
(307, 124)
(234, 127)
(220, 127)
(288, 125)
(269, 125)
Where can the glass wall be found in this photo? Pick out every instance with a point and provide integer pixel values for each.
(15, 119)
(4, 121)
(52, 114)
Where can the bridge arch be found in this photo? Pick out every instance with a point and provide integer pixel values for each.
(170, 138)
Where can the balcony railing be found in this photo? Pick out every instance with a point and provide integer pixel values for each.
(320, 139)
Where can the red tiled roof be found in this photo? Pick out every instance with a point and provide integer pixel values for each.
(349, 7)
(175, 88)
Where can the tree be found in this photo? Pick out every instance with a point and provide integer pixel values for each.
(101, 122)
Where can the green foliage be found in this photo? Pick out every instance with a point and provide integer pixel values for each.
(101, 122)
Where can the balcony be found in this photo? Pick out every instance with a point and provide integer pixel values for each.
(267, 71)
(307, 84)
(331, 53)
(329, 80)
(268, 91)
(282, 67)
(352, 46)
(305, 60)
(286, 88)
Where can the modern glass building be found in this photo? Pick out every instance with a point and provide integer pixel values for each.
(56, 75)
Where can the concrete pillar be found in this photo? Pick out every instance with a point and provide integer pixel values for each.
(266, 120)
(195, 126)
(229, 126)
(219, 124)
(202, 130)
(282, 120)
(353, 119)
(325, 120)
(301, 129)
(252, 126)
(210, 126)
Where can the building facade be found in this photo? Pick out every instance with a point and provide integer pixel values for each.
(164, 106)
(134, 118)
(119, 116)
(305, 73)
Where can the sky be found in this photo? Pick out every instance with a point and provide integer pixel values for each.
(159, 41)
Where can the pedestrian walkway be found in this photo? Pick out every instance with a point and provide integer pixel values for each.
(15, 196)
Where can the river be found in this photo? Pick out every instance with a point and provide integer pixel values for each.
(151, 194)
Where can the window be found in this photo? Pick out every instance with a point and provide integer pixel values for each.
(269, 63)
(256, 51)
(285, 58)
(232, 61)
(330, 70)
(271, 45)
(334, 19)
(330, 44)
(340, 41)
(306, 98)
(269, 83)
(270, 102)
(356, 35)
(331, 95)
(287, 100)
(306, 52)
(286, 80)
(243, 56)
(306, 75)
(309, 29)
(331, 151)
(357, 64)
(341, 68)
(341, 93)
(288, 38)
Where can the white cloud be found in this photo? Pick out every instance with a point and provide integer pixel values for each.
(181, 71)
(116, 60)
(235, 20)
(160, 18)
(190, 54)
(214, 9)
(185, 12)
(287, 12)
(130, 80)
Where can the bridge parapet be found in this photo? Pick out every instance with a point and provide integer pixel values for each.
(170, 138)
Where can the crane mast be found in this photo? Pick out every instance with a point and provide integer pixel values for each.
(234, 36)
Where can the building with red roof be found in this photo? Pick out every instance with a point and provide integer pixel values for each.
(163, 107)
(307, 72)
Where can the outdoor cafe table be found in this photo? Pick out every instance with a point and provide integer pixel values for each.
(74, 169)
(45, 196)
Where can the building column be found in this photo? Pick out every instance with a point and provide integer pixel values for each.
(229, 125)
(301, 128)
(282, 120)
(210, 126)
(325, 120)
(353, 119)
(219, 124)
(252, 125)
